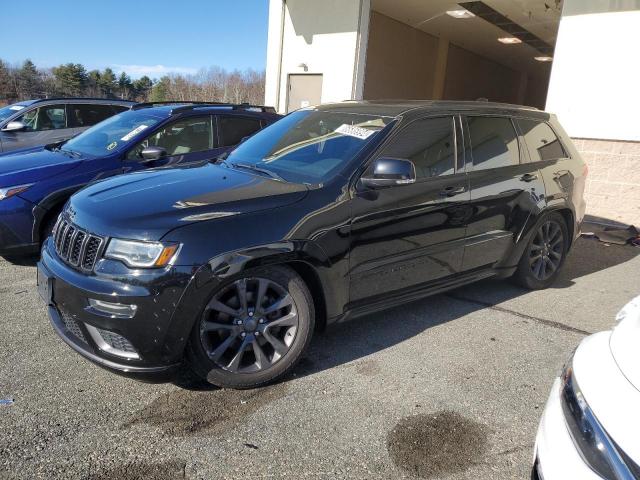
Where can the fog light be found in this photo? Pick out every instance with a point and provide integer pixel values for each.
(111, 309)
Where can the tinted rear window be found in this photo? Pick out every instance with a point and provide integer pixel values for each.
(494, 142)
(86, 115)
(234, 129)
(541, 142)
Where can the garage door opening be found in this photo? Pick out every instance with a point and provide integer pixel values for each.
(500, 50)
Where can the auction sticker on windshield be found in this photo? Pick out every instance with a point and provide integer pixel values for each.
(16, 107)
(133, 133)
(354, 131)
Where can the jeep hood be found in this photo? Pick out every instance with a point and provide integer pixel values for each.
(146, 205)
(30, 166)
(625, 341)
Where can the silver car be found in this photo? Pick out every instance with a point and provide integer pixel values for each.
(33, 123)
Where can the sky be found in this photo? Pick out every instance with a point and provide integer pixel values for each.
(141, 37)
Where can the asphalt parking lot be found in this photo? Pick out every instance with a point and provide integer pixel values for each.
(448, 387)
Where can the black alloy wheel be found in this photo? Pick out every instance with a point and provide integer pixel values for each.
(253, 329)
(547, 250)
(544, 254)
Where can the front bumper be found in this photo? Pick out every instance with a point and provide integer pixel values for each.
(150, 344)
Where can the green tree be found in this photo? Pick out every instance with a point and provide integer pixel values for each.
(141, 88)
(71, 79)
(28, 80)
(93, 83)
(7, 85)
(160, 90)
(108, 82)
(124, 86)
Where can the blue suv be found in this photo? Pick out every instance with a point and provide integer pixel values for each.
(36, 183)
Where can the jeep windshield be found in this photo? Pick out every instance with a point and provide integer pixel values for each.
(308, 146)
(112, 133)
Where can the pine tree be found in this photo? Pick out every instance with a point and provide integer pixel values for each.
(124, 86)
(142, 88)
(28, 81)
(160, 90)
(71, 79)
(7, 87)
(107, 82)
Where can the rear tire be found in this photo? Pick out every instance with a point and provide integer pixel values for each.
(254, 329)
(544, 254)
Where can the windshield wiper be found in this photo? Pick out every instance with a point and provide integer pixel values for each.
(220, 158)
(250, 166)
(73, 153)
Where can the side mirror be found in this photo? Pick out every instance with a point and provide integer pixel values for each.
(150, 154)
(386, 172)
(14, 127)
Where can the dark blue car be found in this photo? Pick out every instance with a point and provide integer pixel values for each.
(36, 183)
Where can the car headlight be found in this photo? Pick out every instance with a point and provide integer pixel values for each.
(138, 254)
(11, 191)
(592, 441)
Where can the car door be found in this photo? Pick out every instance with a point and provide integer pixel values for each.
(43, 125)
(186, 140)
(407, 236)
(505, 190)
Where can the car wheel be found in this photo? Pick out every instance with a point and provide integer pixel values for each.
(544, 254)
(253, 330)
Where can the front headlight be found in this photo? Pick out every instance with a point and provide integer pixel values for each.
(592, 441)
(138, 254)
(11, 191)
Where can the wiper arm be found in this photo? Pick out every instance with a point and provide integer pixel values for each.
(250, 166)
(71, 152)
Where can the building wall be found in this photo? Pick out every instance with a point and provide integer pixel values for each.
(613, 182)
(596, 72)
(400, 62)
(325, 36)
(470, 76)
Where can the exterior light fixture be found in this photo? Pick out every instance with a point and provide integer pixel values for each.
(460, 13)
(509, 40)
(544, 58)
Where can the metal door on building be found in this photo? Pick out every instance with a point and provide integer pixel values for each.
(304, 90)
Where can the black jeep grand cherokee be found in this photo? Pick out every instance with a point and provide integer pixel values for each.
(332, 212)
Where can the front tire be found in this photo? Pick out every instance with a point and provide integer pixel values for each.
(253, 330)
(544, 254)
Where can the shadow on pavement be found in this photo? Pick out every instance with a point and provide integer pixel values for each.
(361, 337)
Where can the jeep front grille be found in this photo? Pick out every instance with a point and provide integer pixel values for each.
(75, 246)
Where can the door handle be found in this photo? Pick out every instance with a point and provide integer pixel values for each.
(529, 177)
(452, 190)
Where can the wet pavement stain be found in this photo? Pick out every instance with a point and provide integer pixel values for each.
(184, 412)
(437, 444)
(368, 368)
(142, 471)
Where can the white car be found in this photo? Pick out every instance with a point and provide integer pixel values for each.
(590, 428)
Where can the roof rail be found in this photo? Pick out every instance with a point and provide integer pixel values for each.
(102, 99)
(189, 105)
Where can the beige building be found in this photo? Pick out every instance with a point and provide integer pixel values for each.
(575, 58)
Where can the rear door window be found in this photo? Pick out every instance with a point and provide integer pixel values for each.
(542, 142)
(86, 115)
(429, 143)
(232, 129)
(493, 142)
(50, 117)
